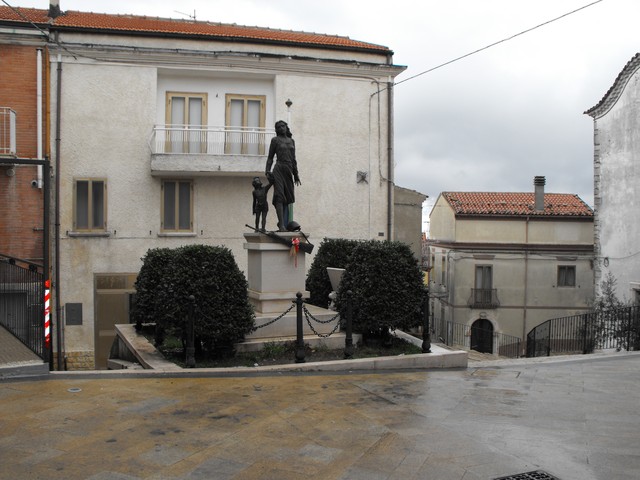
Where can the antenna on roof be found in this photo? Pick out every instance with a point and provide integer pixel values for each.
(192, 17)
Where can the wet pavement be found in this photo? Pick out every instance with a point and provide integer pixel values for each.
(574, 418)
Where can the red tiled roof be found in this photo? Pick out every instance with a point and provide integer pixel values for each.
(516, 204)
(74, 20)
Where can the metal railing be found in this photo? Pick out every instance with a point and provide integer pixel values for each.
(613, 329)
(479, 339)
(210, 140)
(22, 301)
(7, 132)
(484, 298)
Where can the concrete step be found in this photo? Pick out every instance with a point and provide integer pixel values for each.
(23, 369)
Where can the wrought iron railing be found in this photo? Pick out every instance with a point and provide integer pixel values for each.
(22, 301)
(479, 339)
(484, 298)
(210, 140)
(613, 329)
(7, 132)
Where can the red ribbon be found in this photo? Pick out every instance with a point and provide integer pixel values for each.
(295, 247)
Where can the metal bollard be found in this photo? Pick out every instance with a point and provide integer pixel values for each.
(348, 341)
(191, 350)
(426, 334)
(299, 335)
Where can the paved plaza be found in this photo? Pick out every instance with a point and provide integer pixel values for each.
(574, 418)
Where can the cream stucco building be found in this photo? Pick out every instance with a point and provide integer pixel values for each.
(616, 128)
(505, 262)
(158, 126)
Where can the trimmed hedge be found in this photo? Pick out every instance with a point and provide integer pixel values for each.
(168, 277)
(387, 288)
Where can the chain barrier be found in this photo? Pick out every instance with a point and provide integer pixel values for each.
(277, 318)
(307, 315)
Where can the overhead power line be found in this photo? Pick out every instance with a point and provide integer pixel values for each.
(497, 43)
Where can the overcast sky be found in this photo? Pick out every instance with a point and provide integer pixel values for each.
(489, 122)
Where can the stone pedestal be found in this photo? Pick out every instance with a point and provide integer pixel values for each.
(274, 274)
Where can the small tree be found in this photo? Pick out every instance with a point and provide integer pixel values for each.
(387, 288)
(610, 324)
(331, 253)
(167, 279)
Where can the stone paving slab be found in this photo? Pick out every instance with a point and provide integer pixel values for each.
(576, 420)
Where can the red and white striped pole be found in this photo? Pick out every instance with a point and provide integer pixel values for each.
(47, 311)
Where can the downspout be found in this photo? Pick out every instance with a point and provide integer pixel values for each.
(526, 287)
(390, 160)
(57, 216)
(39, 113)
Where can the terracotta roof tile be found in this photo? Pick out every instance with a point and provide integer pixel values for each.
(165, 26)
(516, 204)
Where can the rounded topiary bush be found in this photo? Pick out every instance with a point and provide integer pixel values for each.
(167, 280)
(331, 253)
(387, 288)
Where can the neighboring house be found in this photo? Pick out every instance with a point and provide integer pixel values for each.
(164, 123)
(408, 219)
(22, 107)
(506, 262)
(616, 127)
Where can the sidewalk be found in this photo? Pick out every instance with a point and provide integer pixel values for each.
(575, 418)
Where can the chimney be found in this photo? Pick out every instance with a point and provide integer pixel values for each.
(538, 183)
(54, 9)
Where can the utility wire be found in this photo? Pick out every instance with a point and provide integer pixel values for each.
(497, 43)
(19, 13)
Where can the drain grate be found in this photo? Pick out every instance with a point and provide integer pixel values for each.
(537, 475)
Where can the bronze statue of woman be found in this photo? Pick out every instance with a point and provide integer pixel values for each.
(285, 172)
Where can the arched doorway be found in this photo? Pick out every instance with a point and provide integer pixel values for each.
(482, 336)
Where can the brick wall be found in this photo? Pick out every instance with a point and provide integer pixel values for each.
(21, 205)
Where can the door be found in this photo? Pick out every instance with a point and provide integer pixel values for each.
(482, 336)
(112, 304)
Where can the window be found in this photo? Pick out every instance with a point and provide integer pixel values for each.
(483, 293)
(177, 206)
(444, 269)
(566, 276)
(244, 121)
(90, 205)
(187, 119)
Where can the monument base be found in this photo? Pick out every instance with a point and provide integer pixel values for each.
(276, 272)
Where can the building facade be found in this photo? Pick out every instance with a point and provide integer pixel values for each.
(506, 262)
(164, 123)
(616, 128)
(22, 137)
(408, 219)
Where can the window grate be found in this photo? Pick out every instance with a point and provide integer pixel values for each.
(536, 475)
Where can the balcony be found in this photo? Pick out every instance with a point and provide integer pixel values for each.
(184, 150)
(484, 298)
(7, 132)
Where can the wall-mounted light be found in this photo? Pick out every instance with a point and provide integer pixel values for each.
(362, 177)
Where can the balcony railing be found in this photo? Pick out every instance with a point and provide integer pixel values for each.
(484, 298)
(210, 140)
(7, 132)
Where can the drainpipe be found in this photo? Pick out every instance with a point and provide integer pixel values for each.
(39, 113)
(57, 215)
(526, 287)
(390, 160)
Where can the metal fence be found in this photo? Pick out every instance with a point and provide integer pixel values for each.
(613, 329)
(478, 339)
(22, 302)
